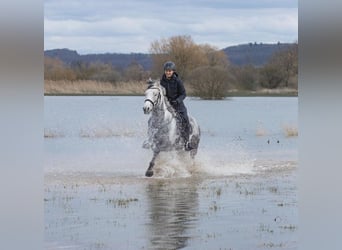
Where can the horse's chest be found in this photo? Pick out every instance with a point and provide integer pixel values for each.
(164, 131)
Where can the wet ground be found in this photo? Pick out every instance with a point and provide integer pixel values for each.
(102, 211)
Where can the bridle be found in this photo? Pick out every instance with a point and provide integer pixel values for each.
(158, 98)
(149, 100)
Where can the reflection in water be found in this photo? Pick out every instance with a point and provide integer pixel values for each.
(173, 212)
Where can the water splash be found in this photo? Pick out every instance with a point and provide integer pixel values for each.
(98, 131)
(173, 165)
(53, 133)
(215, 166)
(105, 132)
(218, 162)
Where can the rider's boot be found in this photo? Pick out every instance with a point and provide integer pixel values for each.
(186, 136)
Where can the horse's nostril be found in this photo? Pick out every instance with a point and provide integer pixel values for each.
(145, 110)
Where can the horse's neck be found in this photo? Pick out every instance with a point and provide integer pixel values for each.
(162, 111)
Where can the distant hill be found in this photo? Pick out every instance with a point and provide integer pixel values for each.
(116, 59)
(252, 53)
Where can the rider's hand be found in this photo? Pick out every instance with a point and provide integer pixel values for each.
(174, 102)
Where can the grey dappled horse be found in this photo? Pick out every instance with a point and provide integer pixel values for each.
(164, 125)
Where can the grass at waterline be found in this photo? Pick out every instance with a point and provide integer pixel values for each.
(134, 88)
(89, 87)
(263, 92)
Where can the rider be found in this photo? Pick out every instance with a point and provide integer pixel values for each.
(175, 92)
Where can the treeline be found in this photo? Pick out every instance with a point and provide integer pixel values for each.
(56, 70)
(203, 68)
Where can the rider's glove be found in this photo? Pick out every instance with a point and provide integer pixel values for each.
(174, 102)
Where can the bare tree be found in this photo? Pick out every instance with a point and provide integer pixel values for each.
(271, 76)
(181, 50)
(213, 56)
(103, 72)
(210, 82)
(289, 60)
(55, 69)
(134, 72)
(247, 77)
(285, 63)
(203, 66)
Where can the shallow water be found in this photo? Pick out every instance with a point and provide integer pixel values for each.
(239, 193)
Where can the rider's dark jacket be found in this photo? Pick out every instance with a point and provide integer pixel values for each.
(175, 92)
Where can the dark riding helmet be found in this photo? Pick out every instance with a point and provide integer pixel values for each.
(169, 66)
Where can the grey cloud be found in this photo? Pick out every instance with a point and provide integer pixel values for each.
(133, 25)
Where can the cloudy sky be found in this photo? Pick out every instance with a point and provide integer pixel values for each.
(125, 26)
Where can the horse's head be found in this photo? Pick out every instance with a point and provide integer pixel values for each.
(153, 96)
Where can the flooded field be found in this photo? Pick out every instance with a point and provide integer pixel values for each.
(239, 193)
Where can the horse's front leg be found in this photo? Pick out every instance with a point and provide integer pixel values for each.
(149, 171)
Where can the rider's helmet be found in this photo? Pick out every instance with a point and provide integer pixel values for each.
(169, 66)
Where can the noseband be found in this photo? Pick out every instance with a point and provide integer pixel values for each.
(149, 100)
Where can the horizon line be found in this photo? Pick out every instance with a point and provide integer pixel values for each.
(127, 53)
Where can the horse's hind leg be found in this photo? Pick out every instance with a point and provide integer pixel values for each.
(194, 140)
(149, 171)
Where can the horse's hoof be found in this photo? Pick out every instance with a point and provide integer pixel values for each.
(149, 173)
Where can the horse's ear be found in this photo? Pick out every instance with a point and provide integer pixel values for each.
(150, 83)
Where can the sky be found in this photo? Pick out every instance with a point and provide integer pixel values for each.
(130, 26)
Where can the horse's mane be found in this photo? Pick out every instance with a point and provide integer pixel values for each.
(156, 84)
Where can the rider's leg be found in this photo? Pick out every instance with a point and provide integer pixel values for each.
(185, 131)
